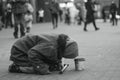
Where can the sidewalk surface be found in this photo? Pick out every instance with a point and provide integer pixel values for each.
(100, 48)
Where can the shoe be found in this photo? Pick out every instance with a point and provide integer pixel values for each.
(85, 29)
(13, 68)
(22, 35)
(15, 36)
(97, 29)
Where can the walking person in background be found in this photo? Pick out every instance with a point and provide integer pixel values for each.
(41, 15)
(67, 16)
(9, 15)
(60, 15)
(103, 15)
(79, 18)
(54, 9)
(41, 54)
(19, 10)
(1, 15)
(28, 21)
(28, 17)
(113, 12)
(90, 15)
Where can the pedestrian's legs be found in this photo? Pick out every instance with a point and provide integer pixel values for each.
(11, 23)
(61, 18)
(42, 19)
(56, 20)
(113, 17)
(85, 26)
(6, 23)
(16, 31)
(53, 21)
(116, 20)
(94, 24)
(113, 21)
(0, 24)
(22, 29)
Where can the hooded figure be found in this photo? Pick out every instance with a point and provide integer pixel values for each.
(41, 53)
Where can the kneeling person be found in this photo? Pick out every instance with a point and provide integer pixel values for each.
(41, 54)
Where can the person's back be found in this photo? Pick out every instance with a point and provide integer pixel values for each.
(37, 43)
(89, 7)
(32, 40)
(54, 8)
(19, 7)
(113, 8)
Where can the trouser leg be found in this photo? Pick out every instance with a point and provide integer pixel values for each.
(16, 31)
(56, 20)
(22, 29)
(53, 20)
(85, 26)
(94, 24)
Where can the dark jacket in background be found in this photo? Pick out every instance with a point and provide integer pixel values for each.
(113, 8)
(54, 8)
(90, 11)
(1, 10)
(42, 51)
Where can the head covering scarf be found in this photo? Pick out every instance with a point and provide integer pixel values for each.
(71, 49)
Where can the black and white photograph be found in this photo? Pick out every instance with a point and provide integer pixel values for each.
(59, 39)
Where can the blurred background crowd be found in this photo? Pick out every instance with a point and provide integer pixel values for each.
(69, 11)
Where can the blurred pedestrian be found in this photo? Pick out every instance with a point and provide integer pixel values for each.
(1, 15)
(103, 15)
(41, 15)
(9, 15)
(113, 12)
(19, 10)
(73, 13)
(60, 15)
(28, 21)
(90, 15)
(28, 17)
(67, 16)
(54, 9)
(41, 54)
(79, 18)
(29, 6)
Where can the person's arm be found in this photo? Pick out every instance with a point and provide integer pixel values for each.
(30, 7)
(37, 61)
(41, 56)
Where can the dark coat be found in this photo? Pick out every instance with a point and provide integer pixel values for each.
(1, 9)
(42, 50)
(34, 44)
(54, 8)
(113, 8)
(90, 11)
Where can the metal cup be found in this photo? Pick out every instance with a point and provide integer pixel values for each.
(79, 64)
(76, 64)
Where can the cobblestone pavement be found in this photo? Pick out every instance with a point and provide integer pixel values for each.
(100, 48)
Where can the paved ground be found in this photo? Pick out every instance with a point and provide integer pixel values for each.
(100, 48)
